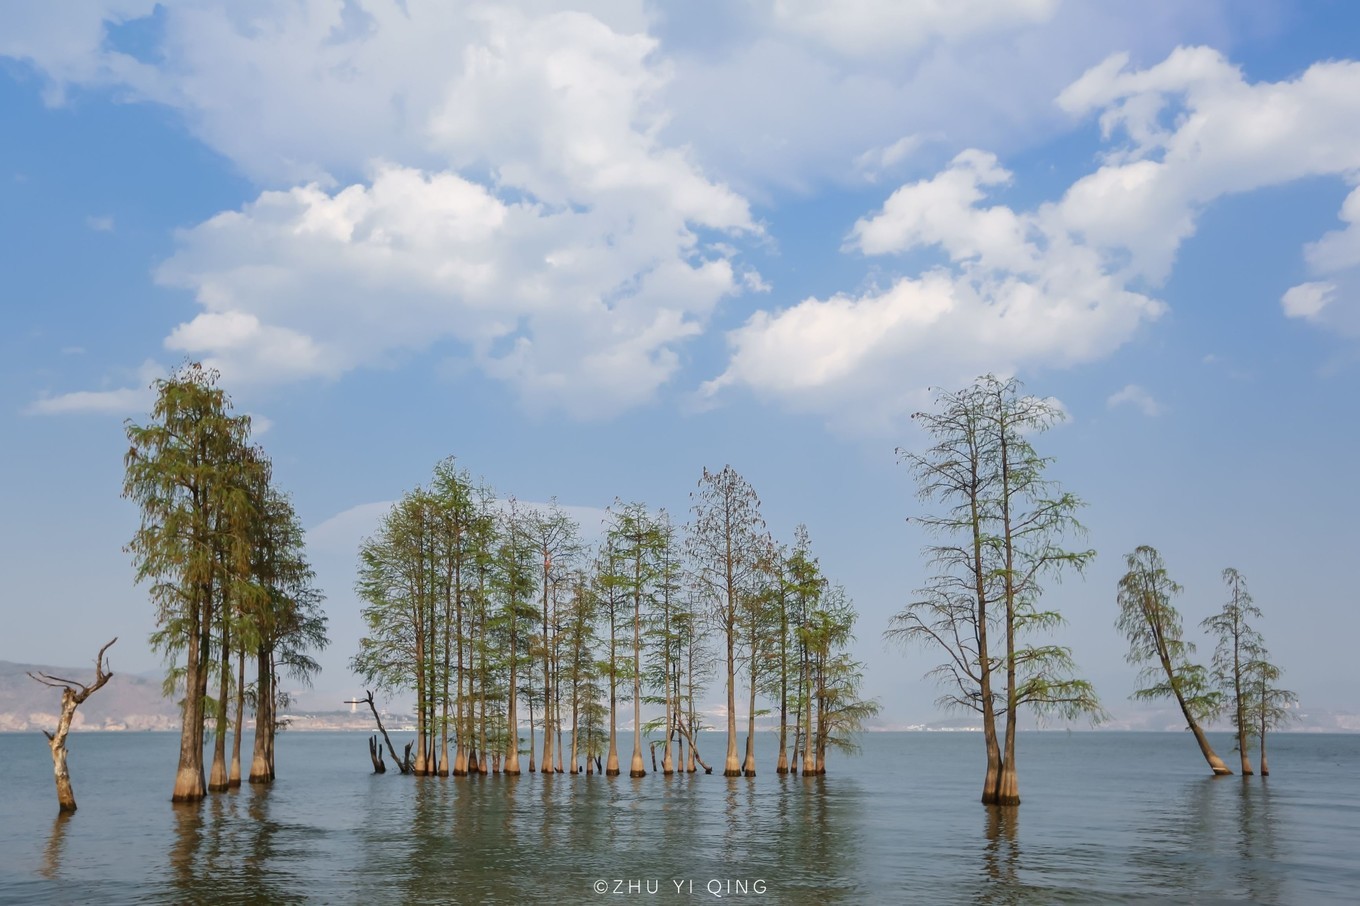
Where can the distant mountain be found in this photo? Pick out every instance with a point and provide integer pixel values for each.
(128, 702)
(1304, 720)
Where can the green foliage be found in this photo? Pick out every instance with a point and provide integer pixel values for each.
(999, 529)
(1152, 625)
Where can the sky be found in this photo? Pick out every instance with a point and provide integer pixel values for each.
(592, 249)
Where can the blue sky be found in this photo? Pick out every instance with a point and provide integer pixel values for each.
(592, 249)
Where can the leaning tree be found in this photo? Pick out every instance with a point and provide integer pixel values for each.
(1152, 625)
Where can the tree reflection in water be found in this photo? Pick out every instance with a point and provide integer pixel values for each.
(55, 843)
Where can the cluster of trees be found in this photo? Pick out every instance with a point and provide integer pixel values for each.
(1000, 526)
(223, 552)
(497, 615)
(1239, 682)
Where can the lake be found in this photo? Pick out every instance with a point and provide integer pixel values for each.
(1106, 818)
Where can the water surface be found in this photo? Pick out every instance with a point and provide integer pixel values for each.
(1106, 818)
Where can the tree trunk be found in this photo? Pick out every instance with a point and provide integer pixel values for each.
(731, 767)
(1008, 783)
(189, 782)
(809, 760)
(748, 766)
(694, 752)
(636, 769)
(1215, 763)
(260, 766)
(612, 767)
(531, 734)
(66, 797)
(234, 775)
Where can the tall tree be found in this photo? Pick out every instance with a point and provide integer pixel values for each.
(284, 622)
(636, 540)
(1268, 705)
(835, 679)
(612, 598)
(1152, 625)
(1002, 532)
(1238, 643)
(665, 663)
(399, 581)
(727, 546)
(580, 671)
(515, 577)
(456, 511)
(556, 540)
(184, 471)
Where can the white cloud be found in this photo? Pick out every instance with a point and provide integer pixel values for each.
(316, 90)
(579, 308)
(102, 224)
(122, 401)
(875, 162)
(548, 231)
(346, 530)
(1133, 395)
(1068, 281)
(127, 401)
(1017, 292)
(1196, 130)
(1307, 300)
(259, 425)
(1338, 250)
(856, 27)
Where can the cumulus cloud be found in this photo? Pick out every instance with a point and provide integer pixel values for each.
(582, 308)
(512, 195)
(1137, 397)
(1072, 279)
(1017, 291)
(1194, 130)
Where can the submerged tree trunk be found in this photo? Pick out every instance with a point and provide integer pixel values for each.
(749, 764)
(731, 766)
(72, 695)
(1215, 763)
(234, 775)
(189, 781)
(693, 752)
(217, 778)
(532, 746)
(368, 700)
(1008, 783)
(261, 767)
(636, 768)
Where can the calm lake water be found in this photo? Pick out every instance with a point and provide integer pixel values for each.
(1107, 818)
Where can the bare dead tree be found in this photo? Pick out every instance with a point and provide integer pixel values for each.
(72, 695)
(403, 765)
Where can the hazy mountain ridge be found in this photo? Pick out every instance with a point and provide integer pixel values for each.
(128, 702)
(134, 702)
